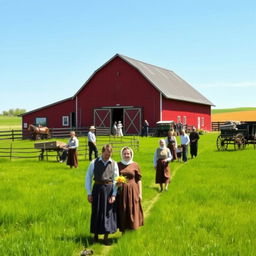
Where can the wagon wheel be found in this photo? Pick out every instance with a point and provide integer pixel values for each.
(239, 142)
(222, 144)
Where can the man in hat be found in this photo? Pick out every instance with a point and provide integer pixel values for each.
(92, 143)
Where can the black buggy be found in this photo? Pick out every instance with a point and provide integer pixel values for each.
(236, 134)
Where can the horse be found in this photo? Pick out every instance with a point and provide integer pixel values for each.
(38, 133)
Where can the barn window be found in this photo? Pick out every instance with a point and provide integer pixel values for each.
(65, 121)
(42, 121)
(184, 120)
(202, 121)
(178, 119)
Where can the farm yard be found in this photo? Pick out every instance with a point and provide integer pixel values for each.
(209, 208)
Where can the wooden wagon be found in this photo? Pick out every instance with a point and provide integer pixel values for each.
(46, 147)
(236, 134)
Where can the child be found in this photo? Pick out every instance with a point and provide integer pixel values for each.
(179, 152)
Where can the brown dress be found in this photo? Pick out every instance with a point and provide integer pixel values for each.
(72, 157)
(162, 168)
(130, 214)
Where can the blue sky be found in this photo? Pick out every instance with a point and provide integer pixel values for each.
(48, 49)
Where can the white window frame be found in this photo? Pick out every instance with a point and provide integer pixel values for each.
(184, 120)
(65, 121)
(38, 121)
(202, 121)
(178, 119)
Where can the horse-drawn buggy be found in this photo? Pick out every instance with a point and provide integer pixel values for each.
(236, 134)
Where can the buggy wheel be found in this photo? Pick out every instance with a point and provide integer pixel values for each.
(222, 144)
(239, 142)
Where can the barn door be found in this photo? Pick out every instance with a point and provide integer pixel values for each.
(132, 121)
(102, 118)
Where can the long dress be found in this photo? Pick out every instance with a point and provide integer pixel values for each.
(171, 144)
(72, 157)
(162, 168)
(130, 213)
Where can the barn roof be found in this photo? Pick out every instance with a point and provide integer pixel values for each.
(170, 84)
(166, 81)
(46, 106)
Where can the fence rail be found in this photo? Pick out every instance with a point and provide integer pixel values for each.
(83, 150)
(216, 126)
(54, 133)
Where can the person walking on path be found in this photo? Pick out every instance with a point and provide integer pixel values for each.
(72, 146)
(184, 143)
(171, 143)
(102, 196)
(129, 196)
(162, 157)
(92, 143)
(194, 137)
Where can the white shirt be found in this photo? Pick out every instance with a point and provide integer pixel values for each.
(89, 176)
(91, 137)
(184, 139)
(169, 157)
(73, 143)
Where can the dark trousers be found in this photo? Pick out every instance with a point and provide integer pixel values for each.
(64, 155)
(92, 148)
(184, 153)
(144, 131)
(193, 149)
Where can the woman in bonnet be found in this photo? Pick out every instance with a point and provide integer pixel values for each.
(162, 157)
(130, 214)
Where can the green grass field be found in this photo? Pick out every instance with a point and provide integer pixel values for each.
(209, 209)
(10, 122)
(226, 110)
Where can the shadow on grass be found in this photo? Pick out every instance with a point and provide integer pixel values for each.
(86, 241)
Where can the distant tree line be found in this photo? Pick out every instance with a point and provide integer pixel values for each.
(13, 112)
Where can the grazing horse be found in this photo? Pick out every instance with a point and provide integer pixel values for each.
(38, 133)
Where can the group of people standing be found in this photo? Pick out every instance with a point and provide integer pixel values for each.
(114, 205)
(117, 129)
(181, 151)
(169, 150)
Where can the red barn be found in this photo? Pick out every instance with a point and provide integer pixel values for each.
(128, 90)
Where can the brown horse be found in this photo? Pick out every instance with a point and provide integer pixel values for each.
(38, 133)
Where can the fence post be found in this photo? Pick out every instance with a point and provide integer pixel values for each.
(11, 152)
(12, 135)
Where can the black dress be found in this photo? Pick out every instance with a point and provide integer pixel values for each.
(103, 217)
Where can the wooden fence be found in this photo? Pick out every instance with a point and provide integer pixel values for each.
(13, 152)
(11, 135)
(54, 133)
(216, 126)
